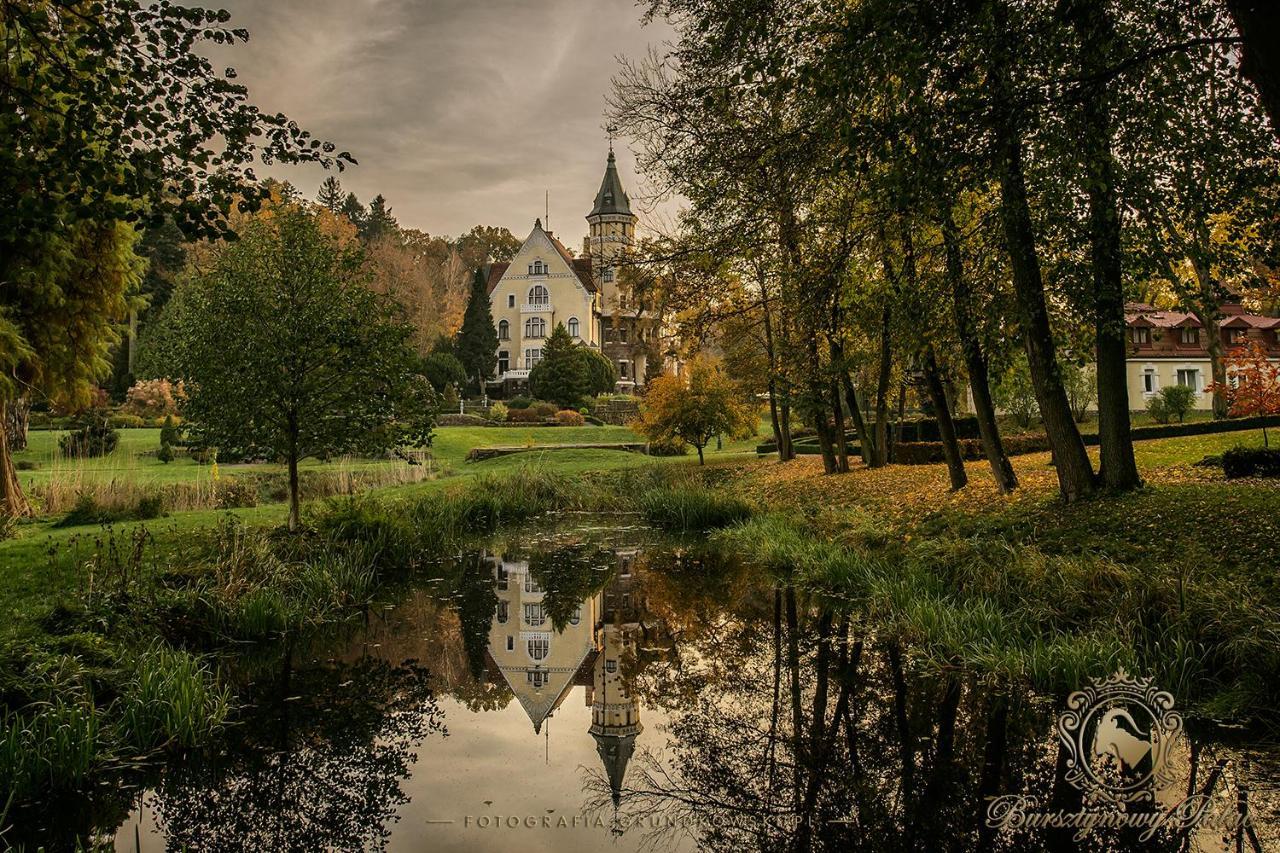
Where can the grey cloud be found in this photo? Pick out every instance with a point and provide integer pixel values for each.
(459, 112)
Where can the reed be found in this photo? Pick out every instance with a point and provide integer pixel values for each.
(689, 508)
(172, 698)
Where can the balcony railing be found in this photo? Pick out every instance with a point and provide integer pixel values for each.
(515, 374)
(535, 308)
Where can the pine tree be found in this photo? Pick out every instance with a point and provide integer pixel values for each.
(477, 342)
(561, 375)
(353, 210)
(379, 221)
(330, 196)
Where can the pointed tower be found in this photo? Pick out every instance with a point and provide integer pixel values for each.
(612, 225)
(615, 714)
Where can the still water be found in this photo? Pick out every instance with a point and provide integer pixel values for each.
(600, 688)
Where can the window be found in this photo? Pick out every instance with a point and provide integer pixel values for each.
(577, 615)
(1149, 384)
(504, 330)
(502, 577)
(537, 268)
(534, 615)
(1235, 336)
(531, 585)
(608, 334)
(1190, 377)
(532, 357)
(611, 666)
(511, 643)
(1190, 336)
(504, 362)
(511, 300)
(623, 368)
(504, 612)
(537, 677)
(607, 274)
(539, 295)
(622, 335)
(573, 327)
(535, 327)
(1140, 335)
(539, 647)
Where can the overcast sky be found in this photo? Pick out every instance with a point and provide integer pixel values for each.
(460, 112)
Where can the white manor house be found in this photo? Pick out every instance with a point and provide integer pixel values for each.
(544, 285)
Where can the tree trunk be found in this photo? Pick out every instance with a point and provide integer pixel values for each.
(1206, 311)
(837, 417)
(295, 515)
(1075, 471)
(866, 444)
(13, 503)
(701, 461)
(818, 407)
(975, 359)
(946, 427)
(1259, 24)
(17, 417)
(1118, 469)
(780, 420)
(881, 446)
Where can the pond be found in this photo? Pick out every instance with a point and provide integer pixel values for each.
(594, 686)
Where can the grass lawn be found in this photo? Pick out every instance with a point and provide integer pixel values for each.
(39, 565)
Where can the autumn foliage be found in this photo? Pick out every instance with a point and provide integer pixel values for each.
(1253, 387)
(694, 407)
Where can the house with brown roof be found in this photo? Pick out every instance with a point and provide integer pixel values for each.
(1171, 347)
(544, 285)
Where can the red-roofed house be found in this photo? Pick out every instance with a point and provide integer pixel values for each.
(1168, 348)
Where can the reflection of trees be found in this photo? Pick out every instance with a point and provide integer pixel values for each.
(318, 765)
(569, 575)
(475, 601)
(790, 730)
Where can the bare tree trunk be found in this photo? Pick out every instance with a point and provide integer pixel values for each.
(946, 426)
(881, 447)
(975, 359)
(1075, 471)
(1118, 469)
(17, 417)
(13, 503)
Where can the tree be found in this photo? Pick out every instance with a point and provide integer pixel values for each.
(694, 407)
(1016, 394)
(477, 343)
(487, 243)
(353, 210)
(1253, 383)
(378, 222)
(1081, 382)
(287, 353)
(600, 376)
(104, 131)
(330, 197)
(443, 370)
(561, 376)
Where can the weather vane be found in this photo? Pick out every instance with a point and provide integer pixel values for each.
(612, 131)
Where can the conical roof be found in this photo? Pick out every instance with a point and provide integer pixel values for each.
(611, 198)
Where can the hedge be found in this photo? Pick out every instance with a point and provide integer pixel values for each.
(1251, 462)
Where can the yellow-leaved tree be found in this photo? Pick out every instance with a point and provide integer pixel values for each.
(695, 406)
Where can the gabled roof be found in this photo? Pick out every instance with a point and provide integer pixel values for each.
(494, 273)
(581, 266)
(611, 198)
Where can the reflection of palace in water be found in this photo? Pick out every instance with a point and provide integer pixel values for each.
(542, 665)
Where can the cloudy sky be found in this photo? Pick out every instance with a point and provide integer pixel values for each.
(460, 112)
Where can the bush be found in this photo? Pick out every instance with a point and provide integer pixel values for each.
(519, 403)
(1178, 401)
(120, 421)
(568, 417)
(1251, 462)
(454, 419)
(169, 433)
(165, 453)
(149, 506)
(26, 465)
(95, 438)
(546, 410)
(203, 455)
(525, 416)
(668, 448)
(233, 493)
(498, 412)
(152, 398)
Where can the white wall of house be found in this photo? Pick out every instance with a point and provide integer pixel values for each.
(1146, 378)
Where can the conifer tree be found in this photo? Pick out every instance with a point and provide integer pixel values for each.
(379, 221)
(330, 196)
(477, 342)
(561, 375)
(353, 210)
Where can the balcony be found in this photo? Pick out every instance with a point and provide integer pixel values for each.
(514, 374)
(535, 308)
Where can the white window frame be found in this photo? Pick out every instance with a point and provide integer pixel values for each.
(538, 644)
(1195, 375)
(532, 356)
(539, 295)
(504, 330)
(573, 327)
(1190, 335)
(535, 327)
(1150, 373)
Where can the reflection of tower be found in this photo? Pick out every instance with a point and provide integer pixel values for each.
(615, 713)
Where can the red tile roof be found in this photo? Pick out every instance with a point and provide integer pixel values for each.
(495, 272)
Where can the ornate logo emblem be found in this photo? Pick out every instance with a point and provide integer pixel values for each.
(1118, 734)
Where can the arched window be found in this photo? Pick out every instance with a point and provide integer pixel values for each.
(538, 295)
(573, 327)
(537, 268)
(538, 647)
(503, 611)
(535, 327)
(577, 615)
(504, 330)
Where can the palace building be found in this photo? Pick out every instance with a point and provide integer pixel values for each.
(544, 285)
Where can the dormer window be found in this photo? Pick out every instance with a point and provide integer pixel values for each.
(1140, 335)
(537, 268)
(1235, 336)
(1190, 336)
